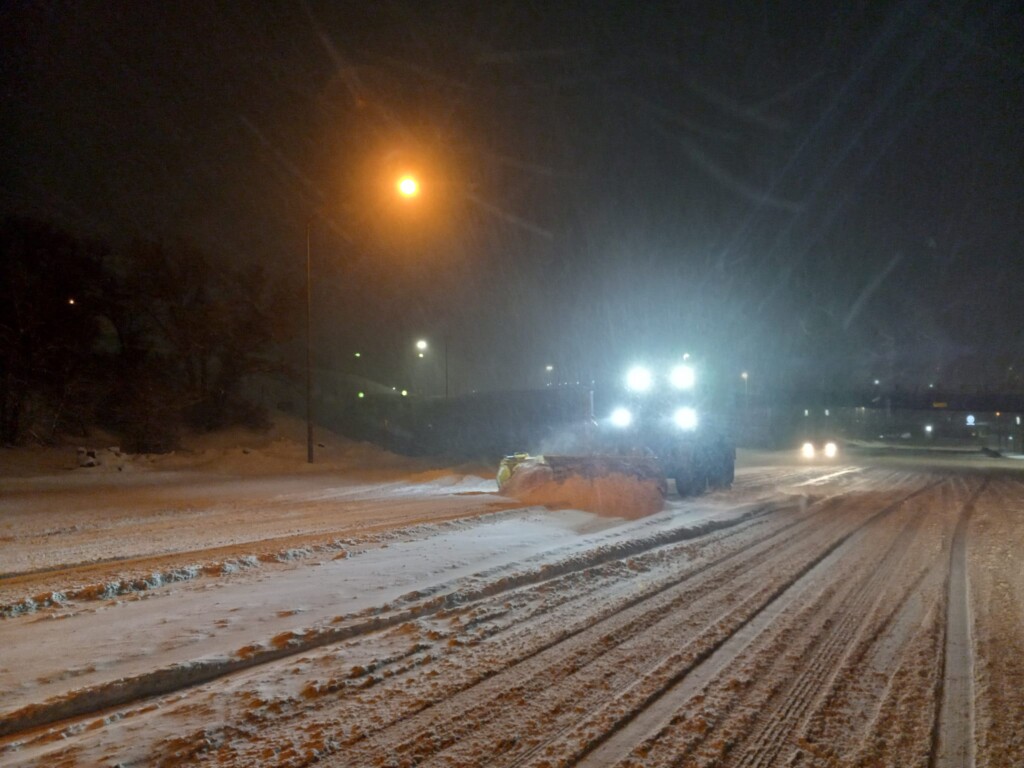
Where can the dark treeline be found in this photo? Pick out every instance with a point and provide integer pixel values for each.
(143, 341)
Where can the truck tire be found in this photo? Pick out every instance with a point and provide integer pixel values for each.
(723, 471)
(722, 476)
(691, 483)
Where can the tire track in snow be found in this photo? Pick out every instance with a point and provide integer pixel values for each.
(472, 720)
(953, 737)
(542, 677)
(847, 716)
(841, 637)
(645, 722)
(166, 680)
(563, 633)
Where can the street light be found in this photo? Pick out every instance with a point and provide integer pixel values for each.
(407, 187)
(422, 347)
(418, 374)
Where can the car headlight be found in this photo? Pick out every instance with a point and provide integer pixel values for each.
(621, 417)
(831, 450)
(807, 450)
(639, 379)
(685, 418)
(682, 377)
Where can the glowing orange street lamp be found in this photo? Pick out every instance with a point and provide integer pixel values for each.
(408, 186)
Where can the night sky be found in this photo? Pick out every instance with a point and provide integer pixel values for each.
(817, 193)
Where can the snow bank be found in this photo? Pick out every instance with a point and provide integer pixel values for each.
(278, 450)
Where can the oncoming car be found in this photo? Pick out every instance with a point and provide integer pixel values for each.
(819, 449)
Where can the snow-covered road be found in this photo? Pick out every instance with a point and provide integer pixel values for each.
(838, 615)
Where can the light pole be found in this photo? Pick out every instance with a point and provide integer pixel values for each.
(407, 186)
(309, 345)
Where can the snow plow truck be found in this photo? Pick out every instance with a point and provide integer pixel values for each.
(655, 427)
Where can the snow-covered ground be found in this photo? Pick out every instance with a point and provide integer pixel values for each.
(232, 605)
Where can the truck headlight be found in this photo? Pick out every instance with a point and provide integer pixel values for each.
(621, 417)
(682, 377)
(807, 450)
(831, 450)
(685, 418)
(639, 379)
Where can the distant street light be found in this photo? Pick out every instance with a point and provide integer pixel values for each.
(407, 187)
(422, 346)
(746, 388)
